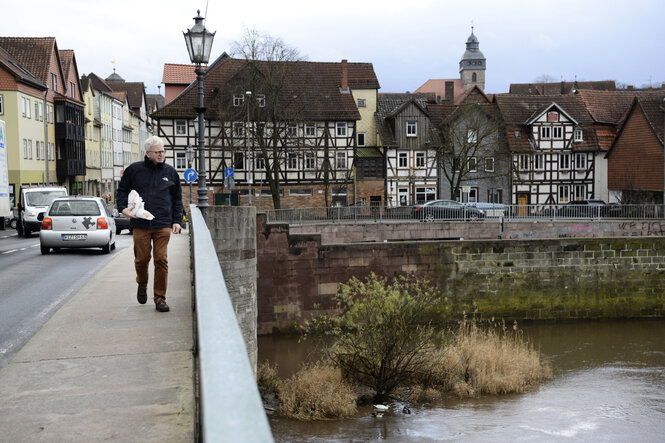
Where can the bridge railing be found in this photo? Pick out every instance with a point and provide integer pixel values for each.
(469, 211)
(230, 406)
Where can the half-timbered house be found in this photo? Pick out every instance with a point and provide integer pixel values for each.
(555, 150)
(282, 128)
(406, 139)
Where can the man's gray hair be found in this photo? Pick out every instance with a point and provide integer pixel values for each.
(151, 141)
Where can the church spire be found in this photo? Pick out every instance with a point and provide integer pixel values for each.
(472, 64)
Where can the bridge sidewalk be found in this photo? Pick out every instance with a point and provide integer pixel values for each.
(106, 368)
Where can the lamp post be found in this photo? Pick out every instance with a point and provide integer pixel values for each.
(189, 153)
(249, 168)
(199, 43)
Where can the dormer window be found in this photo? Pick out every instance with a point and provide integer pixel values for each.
(238, 99)
(557, 132)
(518, 134)
(577, 135)
(411, 129)
(545, 132)
(362, 103)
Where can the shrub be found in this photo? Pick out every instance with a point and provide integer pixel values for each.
(266, 378)
(317, 391)
(487, 361)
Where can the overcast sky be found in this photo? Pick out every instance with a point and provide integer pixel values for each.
(408, 42)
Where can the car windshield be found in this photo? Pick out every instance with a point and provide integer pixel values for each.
(42, 198)
(74, 207)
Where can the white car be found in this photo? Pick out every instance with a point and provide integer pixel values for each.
(77, 222)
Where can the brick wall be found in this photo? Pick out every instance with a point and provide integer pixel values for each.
(543, 279)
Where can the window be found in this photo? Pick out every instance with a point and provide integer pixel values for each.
(472, 163)
(72, 89)
(309, 160)
(180, 127)
(50, 114)
(425, 194)
(259, 162)
(420, 159)
(180, 160)
(361, 139)
(30, 149)
(545, 132)
(27, 108)
(518, 134)
(292, 161)
(580, 162)
(23, 106)
(564, 193)
(36, 110)
(473, 77)
(402, 160)
(523, 162)
(340, 129)
(580, 192)
(41, 112)
(411, 129)
(557, 132)
(362, 103)
(54, 82)
(464, 197)
(564, 161)
(238, 129)
(261, 100)
(2, 105)
(25, 148)
(238, 99)
(539, 162)
(495, 195)
(340, 160)
(489, 164)
(471, 136)
(577, 135)
(238, 160)
(300, 191)
(310, 130)
(291, 130)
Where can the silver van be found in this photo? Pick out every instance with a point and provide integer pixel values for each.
(32, 203)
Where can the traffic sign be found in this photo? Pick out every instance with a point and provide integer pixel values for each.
(228, 173)
(229, 183)
(190, 175)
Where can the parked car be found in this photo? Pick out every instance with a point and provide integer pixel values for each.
(77, 222)
(31, 205)
(121, 221)
(446, 210)
(588, 209)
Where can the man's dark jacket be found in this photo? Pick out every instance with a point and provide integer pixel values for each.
(159, 187)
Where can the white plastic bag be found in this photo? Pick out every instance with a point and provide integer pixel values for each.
(135, 203)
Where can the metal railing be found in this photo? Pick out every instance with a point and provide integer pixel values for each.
(489, 212)
(230, 406)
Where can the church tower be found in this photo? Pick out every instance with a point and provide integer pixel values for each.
(472, 65)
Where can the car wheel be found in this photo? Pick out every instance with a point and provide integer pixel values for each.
(429, 216)
(56, 250)
(473, 216)
(12, 223)
(26, 233)
(106, 249)
(44, 249)
(113, 247)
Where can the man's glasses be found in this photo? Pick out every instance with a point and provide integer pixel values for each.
(158, 152)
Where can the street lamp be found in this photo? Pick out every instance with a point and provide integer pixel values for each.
(199, 43)
(249, 168)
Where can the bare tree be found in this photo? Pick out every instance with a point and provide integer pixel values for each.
(468, 135)
(271, 105)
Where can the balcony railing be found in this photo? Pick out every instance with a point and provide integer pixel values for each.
(490, 212)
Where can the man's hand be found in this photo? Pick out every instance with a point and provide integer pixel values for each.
(176, 228)
(128, 213)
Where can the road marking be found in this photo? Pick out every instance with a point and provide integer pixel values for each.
(10, 251)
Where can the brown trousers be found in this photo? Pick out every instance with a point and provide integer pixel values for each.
(144, 241)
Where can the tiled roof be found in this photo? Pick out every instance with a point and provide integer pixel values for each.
(120, 95)
(178, 74)
(517, 110)
(11, 64)
(34, 53)
(66, 57)
(558, 88)
(134, 90)
(652, 105)
(310, 87)
(438, 87)
(99, 83)
(611, 107)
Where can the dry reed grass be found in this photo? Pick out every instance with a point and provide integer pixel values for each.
(480, 361)
(266, 378)
(316, 392)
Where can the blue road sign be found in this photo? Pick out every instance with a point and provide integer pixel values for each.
(190, 175)
(228, 173)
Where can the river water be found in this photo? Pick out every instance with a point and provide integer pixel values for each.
(608, 385)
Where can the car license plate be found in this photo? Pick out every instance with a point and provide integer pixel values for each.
(66, 237)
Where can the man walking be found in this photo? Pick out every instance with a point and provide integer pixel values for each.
(158, 184)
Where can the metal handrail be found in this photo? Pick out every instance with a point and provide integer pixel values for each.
(492, 212)
(230, 407)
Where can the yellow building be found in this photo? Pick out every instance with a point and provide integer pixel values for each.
(93, 148)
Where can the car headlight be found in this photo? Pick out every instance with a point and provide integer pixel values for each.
(32, 213)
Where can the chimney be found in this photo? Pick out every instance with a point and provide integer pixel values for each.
(344, 85)
(450, 92)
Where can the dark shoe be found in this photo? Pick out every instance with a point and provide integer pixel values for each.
(161, 305)
(142, 294)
